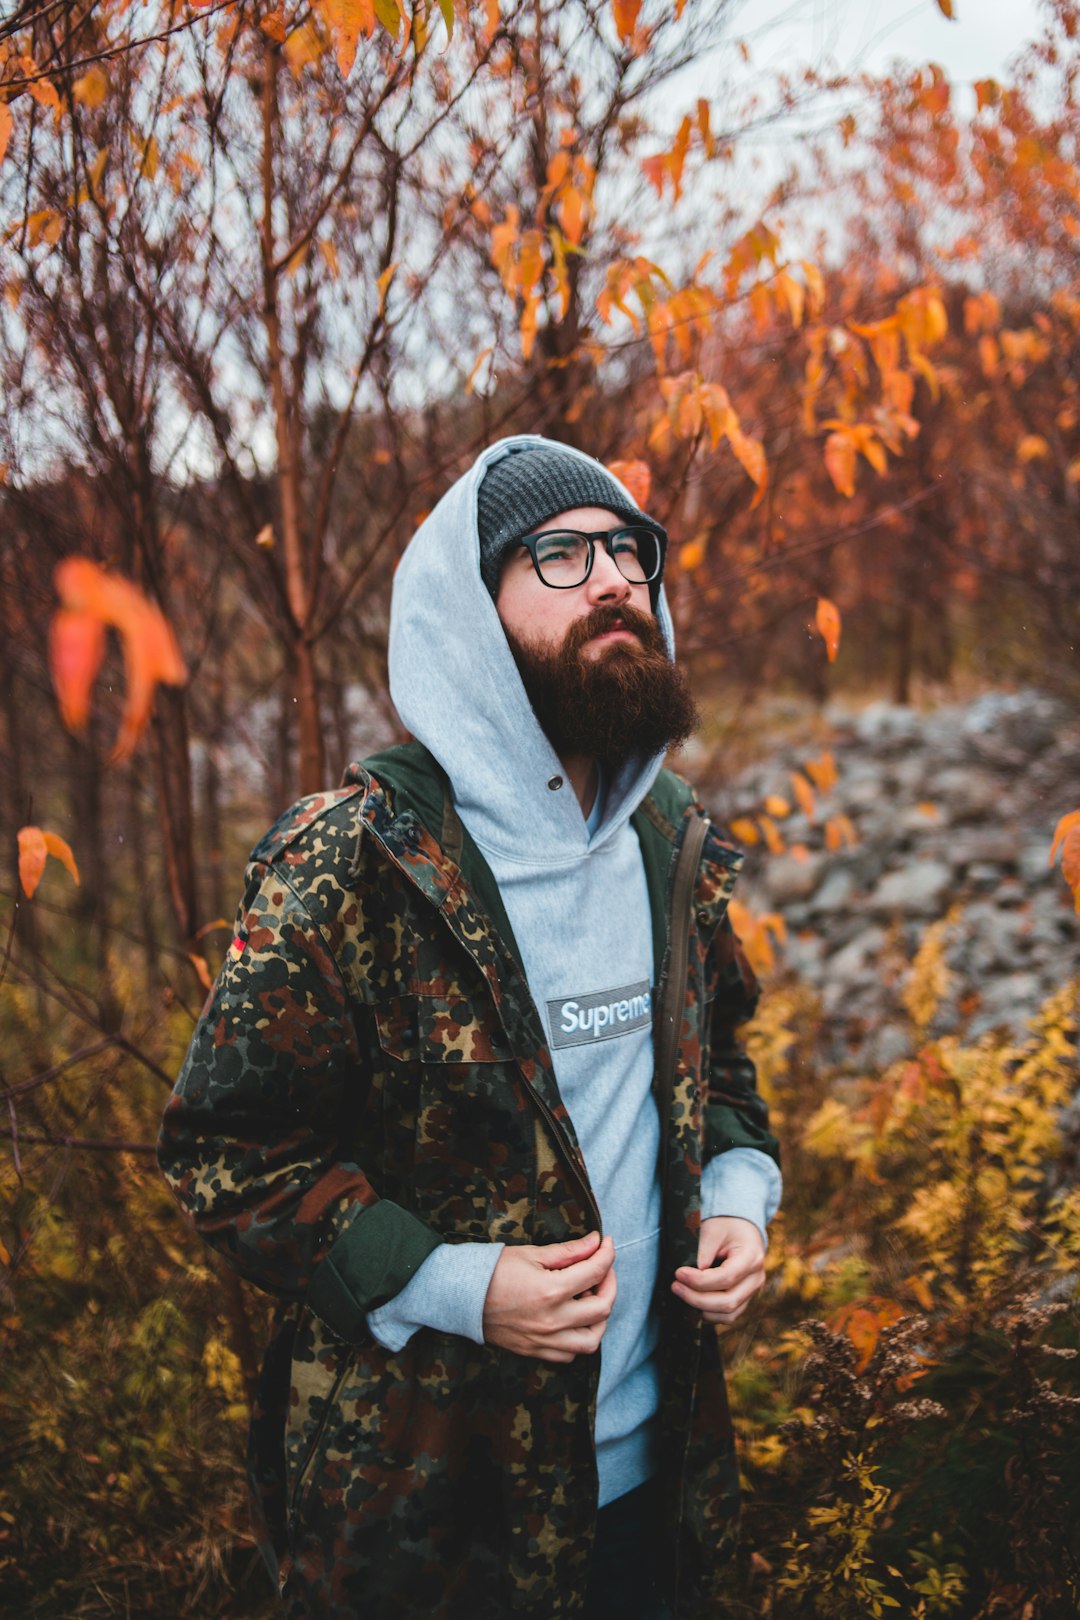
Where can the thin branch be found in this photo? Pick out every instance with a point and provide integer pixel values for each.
(98, 1144)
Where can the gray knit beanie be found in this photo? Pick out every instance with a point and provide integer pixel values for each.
(532, 484)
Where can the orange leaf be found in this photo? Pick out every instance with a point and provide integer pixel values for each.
(946, 9)
(927, 807)
(745, 830)
(1032, 447)
(776, 806)
(151, 655)
(272, 24)
(822, 772)
(771, 834)
(348, 19)
(76, 650)
(636, 476)
(61, 849)
(470, 382)
(626, 16)
(34, 847)
(805, 794)
(5, 128)
(827, 619)
(840, 461)
(692, 555)
(1070, 862)
(1064, 826)
(862, 1322)
(32, 856)
(202, 971)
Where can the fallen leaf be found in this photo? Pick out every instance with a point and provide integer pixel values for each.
(1064, 826)
(776, 806)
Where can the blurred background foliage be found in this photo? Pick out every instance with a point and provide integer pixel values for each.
(272, 274)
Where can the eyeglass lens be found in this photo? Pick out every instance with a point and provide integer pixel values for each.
(563, 556)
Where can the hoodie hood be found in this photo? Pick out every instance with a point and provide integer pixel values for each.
(456, 687)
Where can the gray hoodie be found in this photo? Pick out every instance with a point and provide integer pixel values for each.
(574, 891)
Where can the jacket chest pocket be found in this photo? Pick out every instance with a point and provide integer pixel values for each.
(426, 1029)
(456, 1090)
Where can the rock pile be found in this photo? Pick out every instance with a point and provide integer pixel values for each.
(954, 810)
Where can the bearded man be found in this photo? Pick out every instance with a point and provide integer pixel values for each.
(467, 1099)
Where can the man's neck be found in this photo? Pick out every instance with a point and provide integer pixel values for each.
(584, 778)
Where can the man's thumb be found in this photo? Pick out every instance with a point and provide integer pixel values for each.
(555, 1256)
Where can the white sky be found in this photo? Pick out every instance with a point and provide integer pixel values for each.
(855, 34)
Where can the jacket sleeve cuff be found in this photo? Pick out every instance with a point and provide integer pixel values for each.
(374, 1258)
(447, 1294)
(742, 1182)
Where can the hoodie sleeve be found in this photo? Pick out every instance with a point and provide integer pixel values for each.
(447, 1294)
(251, 1139)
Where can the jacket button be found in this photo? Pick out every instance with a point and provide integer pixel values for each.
(555, 783)
(703, 919)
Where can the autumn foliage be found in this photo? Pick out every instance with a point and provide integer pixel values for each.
(272, 274)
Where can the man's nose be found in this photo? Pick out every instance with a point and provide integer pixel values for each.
(605, 583)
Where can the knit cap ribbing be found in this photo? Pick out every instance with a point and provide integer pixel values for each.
(529, 486)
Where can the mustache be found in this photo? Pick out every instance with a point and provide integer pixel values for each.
(606, 617)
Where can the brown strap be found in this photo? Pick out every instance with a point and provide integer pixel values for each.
(674, 992)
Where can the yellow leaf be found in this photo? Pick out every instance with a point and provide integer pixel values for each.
(692, 555)
(92, 88)
(751, 457)
(827, 619)
(149, 164)
(776, 806)
(745, 830)
(265, 537)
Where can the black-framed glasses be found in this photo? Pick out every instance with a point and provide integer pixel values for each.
(563, 558)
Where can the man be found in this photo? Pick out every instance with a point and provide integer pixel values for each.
(466, 1098)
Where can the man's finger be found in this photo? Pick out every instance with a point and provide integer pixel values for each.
(556, 1256)
(718, 1279)
(579, 1278)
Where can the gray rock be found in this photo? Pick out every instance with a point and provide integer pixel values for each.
(977, 845)
(1034, 864)
(787, 879)
(1008, 1003)
(982, 877)
(887, 727)
(859, 958)
(919, 889)
(965, 794)
(835, 894)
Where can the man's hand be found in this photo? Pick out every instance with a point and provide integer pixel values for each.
(730, 1269)
(553, 1300)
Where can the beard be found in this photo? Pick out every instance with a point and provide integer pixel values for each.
(628, 700)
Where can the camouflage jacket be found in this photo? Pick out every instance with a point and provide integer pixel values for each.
(370, 1078)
